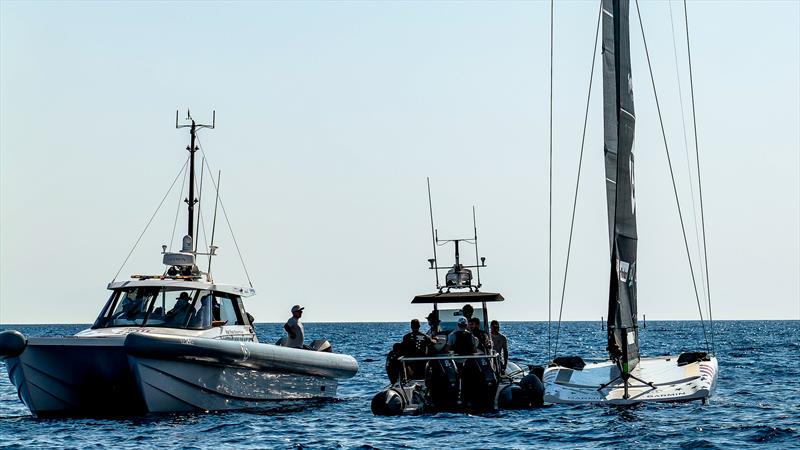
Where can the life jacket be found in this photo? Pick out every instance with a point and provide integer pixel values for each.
(463, 345)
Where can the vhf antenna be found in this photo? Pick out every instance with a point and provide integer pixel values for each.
(477, 265)
(192, 148)
(434, 262)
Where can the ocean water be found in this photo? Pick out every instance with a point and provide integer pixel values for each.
(756, 405)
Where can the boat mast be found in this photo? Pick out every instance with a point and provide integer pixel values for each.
(192, 148)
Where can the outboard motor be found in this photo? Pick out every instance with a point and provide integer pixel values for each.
(388, 402)
(478, 384)
(441, 379)
(321, 345)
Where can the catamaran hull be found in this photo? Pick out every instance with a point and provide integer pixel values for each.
(179, 374)
(670, 382)
(141, 373)
(70, 376)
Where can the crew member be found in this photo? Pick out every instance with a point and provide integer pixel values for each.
(433, 323)
(461, 342)
(499, 343)
(484, 342)
(467, 311)
(416, 344)
(294, 328)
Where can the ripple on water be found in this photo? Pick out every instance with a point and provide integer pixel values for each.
(746, 411)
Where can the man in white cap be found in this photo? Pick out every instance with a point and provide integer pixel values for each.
(294, 328)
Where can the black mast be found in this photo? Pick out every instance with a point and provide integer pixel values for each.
(192, 148)
(620, 119)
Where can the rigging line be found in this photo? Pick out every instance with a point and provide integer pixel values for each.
(578, 177)
(177, 210)
(224, 213)
(151, 220)
(200, 222)
(686, 144)
(550, 210)
(699, 184)
(672, 175)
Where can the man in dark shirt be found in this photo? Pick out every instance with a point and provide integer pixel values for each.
(461, 342)
(416, 344)
(484, 342)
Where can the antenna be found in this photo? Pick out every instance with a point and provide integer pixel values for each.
(192, 148)
(477, 264)
(435, 262)
(211, 247)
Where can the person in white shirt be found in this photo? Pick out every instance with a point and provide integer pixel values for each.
(294, 328)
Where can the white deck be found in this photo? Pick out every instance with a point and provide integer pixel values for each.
(671, 383)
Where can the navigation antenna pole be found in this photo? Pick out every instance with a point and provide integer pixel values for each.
(434, 262)
(192, 148)
(475, 229)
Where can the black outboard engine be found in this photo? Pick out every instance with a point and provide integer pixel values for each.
(321, 345)
(388, 402)
(441, 379)
(478, 385)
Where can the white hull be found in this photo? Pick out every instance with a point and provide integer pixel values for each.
(141, 373)
(176, 386)
(669, 382)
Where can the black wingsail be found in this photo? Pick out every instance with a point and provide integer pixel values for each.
(619, 119)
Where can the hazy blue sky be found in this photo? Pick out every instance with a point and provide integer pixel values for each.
(331, 114)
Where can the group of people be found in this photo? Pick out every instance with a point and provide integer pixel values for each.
(467, 339)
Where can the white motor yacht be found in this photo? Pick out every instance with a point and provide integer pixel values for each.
(172, 342)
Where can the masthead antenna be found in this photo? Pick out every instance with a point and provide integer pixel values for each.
(435, 262)
(477, 264)
(192, 148)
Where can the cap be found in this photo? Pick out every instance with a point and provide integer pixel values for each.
(462, 322)
(296, 308)
(184, 295)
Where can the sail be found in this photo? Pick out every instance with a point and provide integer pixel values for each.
(619, 119)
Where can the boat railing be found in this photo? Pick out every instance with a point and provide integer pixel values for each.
(493, 357)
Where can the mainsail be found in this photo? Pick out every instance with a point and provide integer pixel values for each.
(619, 119)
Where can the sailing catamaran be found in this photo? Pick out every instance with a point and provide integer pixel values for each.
(626, 377)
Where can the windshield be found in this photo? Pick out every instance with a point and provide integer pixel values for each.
(167, 307)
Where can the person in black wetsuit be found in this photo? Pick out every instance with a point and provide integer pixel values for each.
(461, 342)
(416, 344)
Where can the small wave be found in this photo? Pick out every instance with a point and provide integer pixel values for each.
(770, 434)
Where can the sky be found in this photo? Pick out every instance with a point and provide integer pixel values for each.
(330, 116)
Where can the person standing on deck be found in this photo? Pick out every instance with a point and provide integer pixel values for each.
(461, 342)
(433, 324)
(484, 342)
(294, 328)
(499, 343)
(467, 311)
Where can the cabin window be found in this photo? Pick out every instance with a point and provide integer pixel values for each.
(131, 307)
(228, 312)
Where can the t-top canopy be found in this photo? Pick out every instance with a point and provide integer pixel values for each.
(184, 284)
(458, 297)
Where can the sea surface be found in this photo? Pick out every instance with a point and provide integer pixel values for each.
(756, 404)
